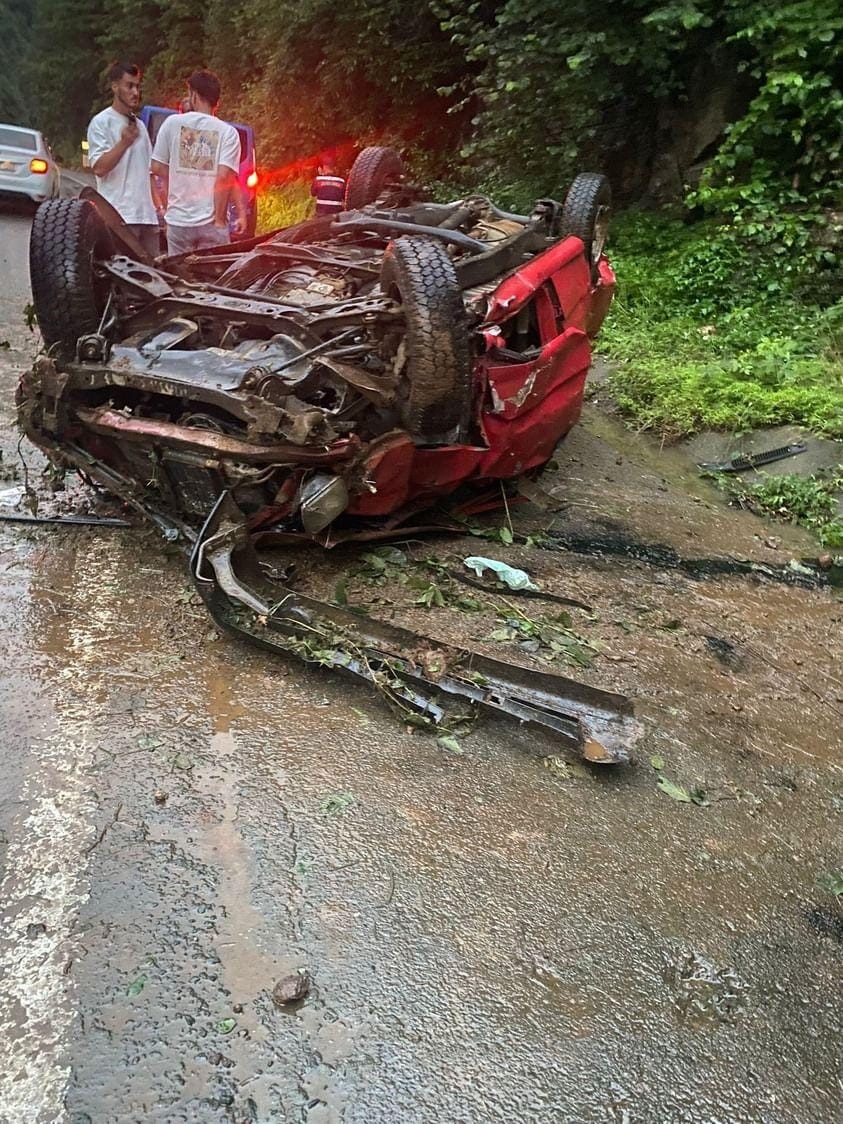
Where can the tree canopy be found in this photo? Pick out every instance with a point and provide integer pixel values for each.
(513, 92)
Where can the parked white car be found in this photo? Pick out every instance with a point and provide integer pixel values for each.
(27, 165)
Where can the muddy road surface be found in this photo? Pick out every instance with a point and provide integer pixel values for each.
(490, 936)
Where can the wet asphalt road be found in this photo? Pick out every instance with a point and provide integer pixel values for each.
(184, 820)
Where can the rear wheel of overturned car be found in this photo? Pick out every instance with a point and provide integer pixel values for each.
(434, 395)
(370, 173)
(586, 213)
(67, 238)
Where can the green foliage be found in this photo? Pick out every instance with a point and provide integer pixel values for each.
(554, 85)
(810, 501)
(283, 205)
(16, 100)
(64, 70)
(789, 140)
(697, 341)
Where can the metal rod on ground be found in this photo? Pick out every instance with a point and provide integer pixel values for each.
(68, 520)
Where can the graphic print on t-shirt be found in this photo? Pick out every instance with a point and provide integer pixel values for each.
(198, 149)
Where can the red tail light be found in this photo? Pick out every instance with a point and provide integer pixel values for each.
(252, 181)
(36, 164)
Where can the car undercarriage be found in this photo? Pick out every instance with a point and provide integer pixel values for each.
(330, 380)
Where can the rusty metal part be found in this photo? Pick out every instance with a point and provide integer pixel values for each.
(413, 672)
(114, 424)
(119, 231)
(361, 222)
(535, 594)
(66, 520)
(94, 470)
(137, 276)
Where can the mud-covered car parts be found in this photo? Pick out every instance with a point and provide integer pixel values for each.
(337, 373)
(413, 674)
(413, 363)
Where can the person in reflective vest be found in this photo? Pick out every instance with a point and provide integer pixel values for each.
(328, 188)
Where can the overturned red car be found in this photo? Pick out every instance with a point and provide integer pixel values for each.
(346, 368)
(329, 381)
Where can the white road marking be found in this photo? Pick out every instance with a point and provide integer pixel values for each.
(47, 879)
(45, 884)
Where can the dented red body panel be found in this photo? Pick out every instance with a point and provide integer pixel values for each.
(526, 407)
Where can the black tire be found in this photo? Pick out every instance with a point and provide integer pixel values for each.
(373, 169)
(435, 386)
(67, 237)
(586, 212)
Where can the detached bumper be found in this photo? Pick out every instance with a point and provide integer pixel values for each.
(598, 726)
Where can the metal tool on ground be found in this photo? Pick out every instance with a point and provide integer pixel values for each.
(64, 520)
(754, 460)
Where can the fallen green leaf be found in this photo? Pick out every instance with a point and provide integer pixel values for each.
(225, 1026)
(474, 677)
(501, 634)
(832, 881)
(431, 596)
(334, 805)
(657, 761)
(449, 742)
(136, 986)
(182, 761)
(567, 770)
(505, 535)
(674, 791)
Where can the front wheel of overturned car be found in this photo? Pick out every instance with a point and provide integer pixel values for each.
(435, 386)
(586, 212)
(371, 172)
(67, 238)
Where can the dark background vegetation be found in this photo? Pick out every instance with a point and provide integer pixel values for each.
(717, 121)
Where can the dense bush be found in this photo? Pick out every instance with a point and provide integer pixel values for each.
(698, 341)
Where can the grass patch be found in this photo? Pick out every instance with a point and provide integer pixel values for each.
(698, 340)
(284, 204)
(810, 501)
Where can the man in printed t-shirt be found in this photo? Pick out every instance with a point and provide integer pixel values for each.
(197, 157)
(119, 152)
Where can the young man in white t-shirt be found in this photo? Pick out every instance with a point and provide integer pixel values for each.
(119, 152)
(197, 157)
